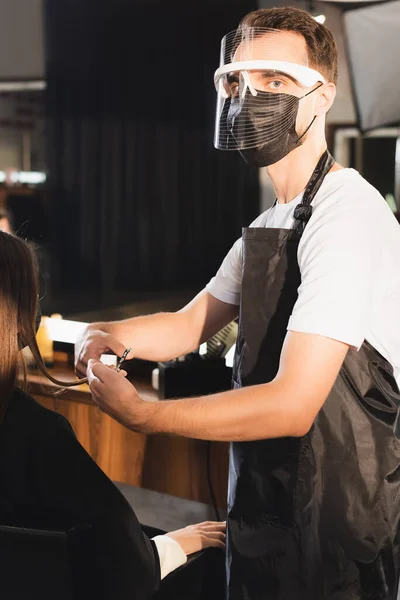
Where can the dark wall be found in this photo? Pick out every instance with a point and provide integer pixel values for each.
(140, 197)
(378, 159)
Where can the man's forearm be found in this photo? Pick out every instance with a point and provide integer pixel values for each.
(157, 337)
(285, 407)
(167, 335)
(251, 413)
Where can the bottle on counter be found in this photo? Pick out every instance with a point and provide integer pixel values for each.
(45, 343)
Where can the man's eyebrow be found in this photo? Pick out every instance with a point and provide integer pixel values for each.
(233, 76)
(275, 73)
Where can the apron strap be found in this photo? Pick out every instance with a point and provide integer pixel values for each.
(303, 211)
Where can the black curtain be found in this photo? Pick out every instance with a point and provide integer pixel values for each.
(140, 198)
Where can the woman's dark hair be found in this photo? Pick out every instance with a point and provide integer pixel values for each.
(19, 286)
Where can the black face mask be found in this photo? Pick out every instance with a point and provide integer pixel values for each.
(254, 117)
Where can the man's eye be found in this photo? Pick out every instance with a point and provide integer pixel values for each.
(275, 85)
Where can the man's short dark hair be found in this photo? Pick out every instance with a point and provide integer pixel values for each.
(321, 45)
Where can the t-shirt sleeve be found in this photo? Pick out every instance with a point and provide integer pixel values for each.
(339, 265)
(226, 284)
(70, 486)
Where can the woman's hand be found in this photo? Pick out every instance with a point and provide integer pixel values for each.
(202, 535)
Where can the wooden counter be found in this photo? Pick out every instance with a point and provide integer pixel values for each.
(168, 464)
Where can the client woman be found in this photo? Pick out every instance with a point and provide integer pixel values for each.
(47, 478)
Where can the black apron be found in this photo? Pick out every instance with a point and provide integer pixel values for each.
(317, 517)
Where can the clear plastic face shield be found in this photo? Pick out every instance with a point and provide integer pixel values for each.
(261, 79)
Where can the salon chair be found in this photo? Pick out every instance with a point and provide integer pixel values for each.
(47, 565)
(37, 564)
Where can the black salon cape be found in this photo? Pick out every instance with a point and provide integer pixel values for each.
(47, 478)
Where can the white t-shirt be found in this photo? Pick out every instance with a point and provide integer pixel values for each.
(349, 260)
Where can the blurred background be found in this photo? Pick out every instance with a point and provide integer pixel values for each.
(107, 165)
(106, 140)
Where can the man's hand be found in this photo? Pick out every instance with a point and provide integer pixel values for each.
(284, 407)
(116, 396)
(91, 344)
(202, 535)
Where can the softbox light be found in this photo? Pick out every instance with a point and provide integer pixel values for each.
(372, 36)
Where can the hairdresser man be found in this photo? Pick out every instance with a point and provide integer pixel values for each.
(314, 482)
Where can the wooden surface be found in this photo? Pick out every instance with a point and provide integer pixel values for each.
(168, 464)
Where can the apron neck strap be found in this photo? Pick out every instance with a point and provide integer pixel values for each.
(303, 211)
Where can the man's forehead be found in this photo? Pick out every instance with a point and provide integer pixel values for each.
(280, 45)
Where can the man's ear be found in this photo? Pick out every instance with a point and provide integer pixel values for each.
(326, 96)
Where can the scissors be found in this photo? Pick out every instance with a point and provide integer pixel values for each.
(123, 357)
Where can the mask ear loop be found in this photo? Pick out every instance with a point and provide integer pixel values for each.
(309, 127)
(311, 91)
